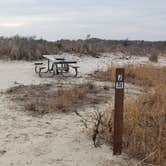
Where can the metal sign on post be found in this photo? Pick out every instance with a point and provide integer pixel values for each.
(118, 112)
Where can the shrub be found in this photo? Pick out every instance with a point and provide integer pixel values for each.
(153, 56)
(25, 48)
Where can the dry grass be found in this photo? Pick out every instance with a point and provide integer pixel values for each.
(45, 98)
(144, 117)
(144, 127)
(101, 129)
(108, 75)
(144, 75)
(67, 98)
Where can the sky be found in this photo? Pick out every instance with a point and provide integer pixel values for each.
(74, 19)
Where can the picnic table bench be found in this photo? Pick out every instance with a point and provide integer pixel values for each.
(75, 68)
(56, 65)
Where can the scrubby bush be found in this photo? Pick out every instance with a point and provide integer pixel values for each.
(25, 48)
(153, 57)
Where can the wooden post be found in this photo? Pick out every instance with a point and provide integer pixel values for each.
(118, 112)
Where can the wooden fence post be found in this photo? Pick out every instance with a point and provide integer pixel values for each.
(118, 111)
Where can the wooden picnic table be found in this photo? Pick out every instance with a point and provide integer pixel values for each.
(59, 64)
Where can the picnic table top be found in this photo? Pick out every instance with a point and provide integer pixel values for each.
(59, 59)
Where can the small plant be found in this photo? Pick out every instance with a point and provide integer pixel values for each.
(153, 55)
(101, 129)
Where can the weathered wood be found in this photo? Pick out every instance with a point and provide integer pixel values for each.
(118, 112)
(37, 64)
(76, 69)
(65, 62)
(40, 70)
(59, 65)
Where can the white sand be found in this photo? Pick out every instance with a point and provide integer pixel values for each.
(53, 139)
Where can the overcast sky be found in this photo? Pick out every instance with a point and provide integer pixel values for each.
(73, 19)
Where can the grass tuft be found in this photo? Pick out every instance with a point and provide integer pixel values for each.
(66, 98)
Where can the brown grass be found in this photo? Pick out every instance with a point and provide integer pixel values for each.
(144, 117)
(45, 98)
(67, 98)
(145, 126)
(144, 135)
(144, 75)
(108, 75)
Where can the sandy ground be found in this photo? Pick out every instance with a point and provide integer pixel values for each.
(22, 72)
(53, 139)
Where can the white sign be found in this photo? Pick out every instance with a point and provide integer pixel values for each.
(119, 85)
(120, 77)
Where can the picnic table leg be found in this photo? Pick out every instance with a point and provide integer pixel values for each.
(56, 66)
(76, 70)
(53, 69)
(62, 67)
(49, 65)
(66, 67)
(36, 69)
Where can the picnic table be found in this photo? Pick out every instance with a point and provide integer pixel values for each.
(56, 65)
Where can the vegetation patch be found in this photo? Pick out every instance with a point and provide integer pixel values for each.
(144, 127)
(30, 48)
(47, 98)
(26, 48)
(143, 75)
(153, 57)
(144, 116)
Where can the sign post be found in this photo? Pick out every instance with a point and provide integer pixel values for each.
(118, 112)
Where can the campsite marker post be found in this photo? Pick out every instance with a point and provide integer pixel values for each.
(118, 112)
